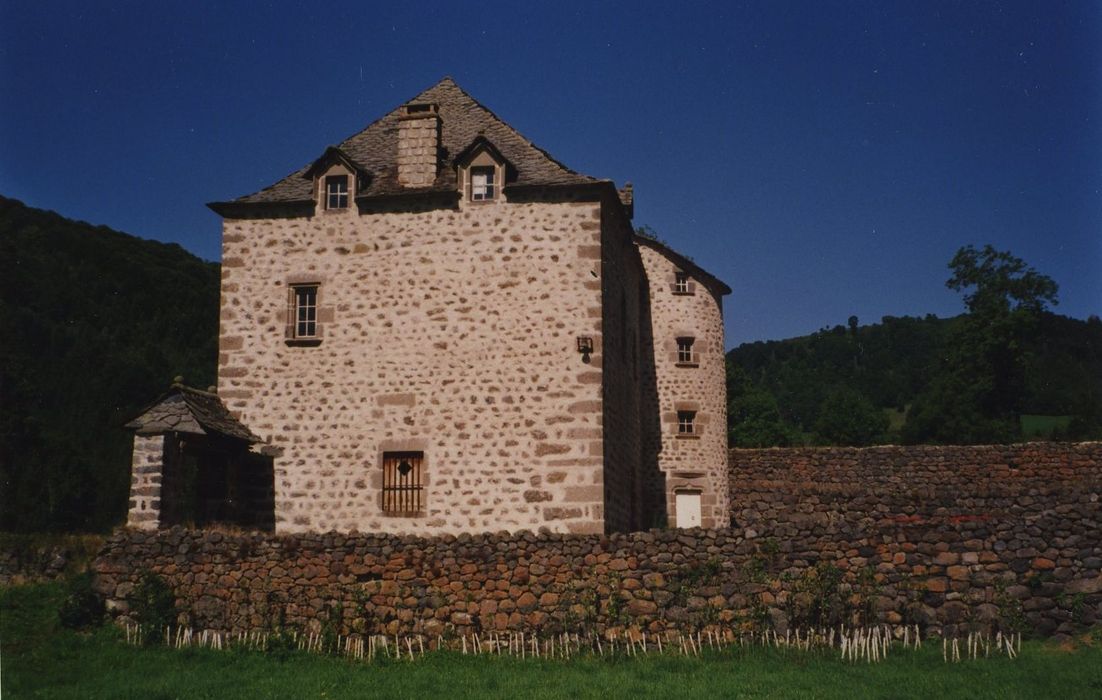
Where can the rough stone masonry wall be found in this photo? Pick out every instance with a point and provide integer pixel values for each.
(1034, 564)
(146, 474)
(449, 331)
(1017, 527)
(696, 462)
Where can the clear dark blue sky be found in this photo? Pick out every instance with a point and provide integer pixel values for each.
(824, 158)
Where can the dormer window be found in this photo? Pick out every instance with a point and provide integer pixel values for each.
(483, 185)
(482, 172)
(336, 192)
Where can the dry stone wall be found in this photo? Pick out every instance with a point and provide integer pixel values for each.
(448, 331)
(1011, 554)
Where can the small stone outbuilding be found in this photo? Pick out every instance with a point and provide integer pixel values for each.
(192, 465)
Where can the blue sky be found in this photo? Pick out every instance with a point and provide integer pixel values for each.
(826, 159)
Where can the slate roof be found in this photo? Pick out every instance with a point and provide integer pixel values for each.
(463, 119)
(186, 410)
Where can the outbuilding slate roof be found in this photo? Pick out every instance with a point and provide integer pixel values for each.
(186, 410)
(463, 119)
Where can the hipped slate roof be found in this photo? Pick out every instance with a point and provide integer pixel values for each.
(463, 119)
(186, 410)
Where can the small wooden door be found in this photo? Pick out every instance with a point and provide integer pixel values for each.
(688, 508)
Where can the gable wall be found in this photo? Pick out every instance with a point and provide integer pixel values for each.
(448, 331)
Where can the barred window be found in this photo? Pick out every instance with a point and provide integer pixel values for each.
(686, 422)
(336, 192)
(403, 482)
(304, 311)
(685, 354)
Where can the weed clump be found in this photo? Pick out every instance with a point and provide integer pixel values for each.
(82, 607)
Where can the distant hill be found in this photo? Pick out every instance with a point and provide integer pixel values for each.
(888, 364)
(95, 324)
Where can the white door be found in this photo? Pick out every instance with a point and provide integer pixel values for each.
(688, 508)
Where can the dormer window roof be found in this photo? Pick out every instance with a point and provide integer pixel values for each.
(482, 171)
(337, 179)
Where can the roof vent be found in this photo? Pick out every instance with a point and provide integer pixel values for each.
(418, 145)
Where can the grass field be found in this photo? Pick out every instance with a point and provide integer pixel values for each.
(40, 659)
(1035, 426)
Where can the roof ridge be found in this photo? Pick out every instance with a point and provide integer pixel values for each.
(510, 127)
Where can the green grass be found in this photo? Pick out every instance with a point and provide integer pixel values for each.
(1042, 426)
(41, 660)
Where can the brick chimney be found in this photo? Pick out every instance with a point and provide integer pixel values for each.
(418, 145)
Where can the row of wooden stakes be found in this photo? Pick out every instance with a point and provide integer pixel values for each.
(867, 644)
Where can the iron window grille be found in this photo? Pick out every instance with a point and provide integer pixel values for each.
(403, 482)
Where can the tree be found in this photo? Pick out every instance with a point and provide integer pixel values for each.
(1001, 283)
(753, 415)
(976, 394)
(846, 417)
(755, 421)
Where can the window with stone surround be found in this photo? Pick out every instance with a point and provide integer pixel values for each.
(304, 312)
(403, 483)
(483, 186)
(685, 354)
(336, 192)
(686, 423)
(682, 283)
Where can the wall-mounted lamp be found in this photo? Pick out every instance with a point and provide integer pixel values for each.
(585, 347)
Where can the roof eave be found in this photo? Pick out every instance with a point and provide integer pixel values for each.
(708, 278)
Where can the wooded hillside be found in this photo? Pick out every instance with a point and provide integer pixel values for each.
(842, 380)
(95, 324)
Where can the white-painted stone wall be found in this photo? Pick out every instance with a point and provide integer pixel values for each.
(448, 331)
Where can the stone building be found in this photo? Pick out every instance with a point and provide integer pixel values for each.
(437, 327)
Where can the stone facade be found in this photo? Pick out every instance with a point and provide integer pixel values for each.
(450, 329)
(146, 467)
(687, 380)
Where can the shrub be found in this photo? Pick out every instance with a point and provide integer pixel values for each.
(82, 607)
(154, 605)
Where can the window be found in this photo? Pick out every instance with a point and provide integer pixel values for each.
(681, 283)
(304, 311)
(482, 184)
(685, 355)
(686, 422)
(403, 482)
(336, 192)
